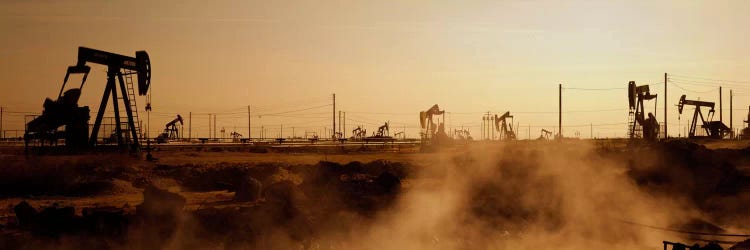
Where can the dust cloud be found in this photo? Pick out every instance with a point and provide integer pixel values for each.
(521, 197)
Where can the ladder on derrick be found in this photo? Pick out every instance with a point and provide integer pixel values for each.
(128, 77)
(634, 131)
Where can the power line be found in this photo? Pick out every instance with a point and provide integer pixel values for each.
(710, 79)
(693, 91)
(292, 111)
(600, 89)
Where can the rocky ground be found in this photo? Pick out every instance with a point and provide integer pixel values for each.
(526, 195)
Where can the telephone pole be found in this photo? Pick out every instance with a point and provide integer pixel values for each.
(2, 135)
(334, 115)
(721, 107)
(190, 125)
(209, 125)
(666, 135)
(559, 111)
(730, 115)
(248, 123)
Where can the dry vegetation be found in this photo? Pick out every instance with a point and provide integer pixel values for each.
(521, 195)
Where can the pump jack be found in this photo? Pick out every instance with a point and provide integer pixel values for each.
(545, 135)
(501, 125)
(434, 133)
(359, 133)
(463, 134)
(171, 131)
(65, 110)
(383, 131)
(713, 129)
(638, 121)
(397, 134)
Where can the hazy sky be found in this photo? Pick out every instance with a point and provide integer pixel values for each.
(385, 60)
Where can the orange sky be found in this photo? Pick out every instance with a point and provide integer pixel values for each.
(385, 60)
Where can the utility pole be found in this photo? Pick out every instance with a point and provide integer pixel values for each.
(492, 126)
(190, 125)
(666, 135)
(2, 136)
(209, 125)
(334, 114)
(730, 114)
(214, 125)
(249, 135)
(591, 131)
(344, 124)
(559, 111)
(248, 123)
(721, 107)
(481, 137)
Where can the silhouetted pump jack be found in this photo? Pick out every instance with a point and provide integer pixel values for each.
(648, 125)
(171, 131)
(65, 110)
(713, 129)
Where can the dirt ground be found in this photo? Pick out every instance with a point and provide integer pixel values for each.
(522, 195)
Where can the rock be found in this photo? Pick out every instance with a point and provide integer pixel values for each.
(249, 189)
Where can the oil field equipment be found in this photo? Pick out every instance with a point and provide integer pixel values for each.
(359, 133)
(430, 129)
(501, 125)
(382, 135)
(640, 125)
(402, 134)
(383, 131)
(713, 129)
(545, 135)
(236, 137)
(463, 135)
(746, 130)
(65, 111)
(171, 131)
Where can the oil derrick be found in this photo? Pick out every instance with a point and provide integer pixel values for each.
(433, 133)
(502, 126)
(171, 130)
(639, 125)
(712, 129)
(65, 110)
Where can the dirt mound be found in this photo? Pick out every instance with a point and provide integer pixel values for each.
(222, 176)
(66, 175)
(680, 167)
